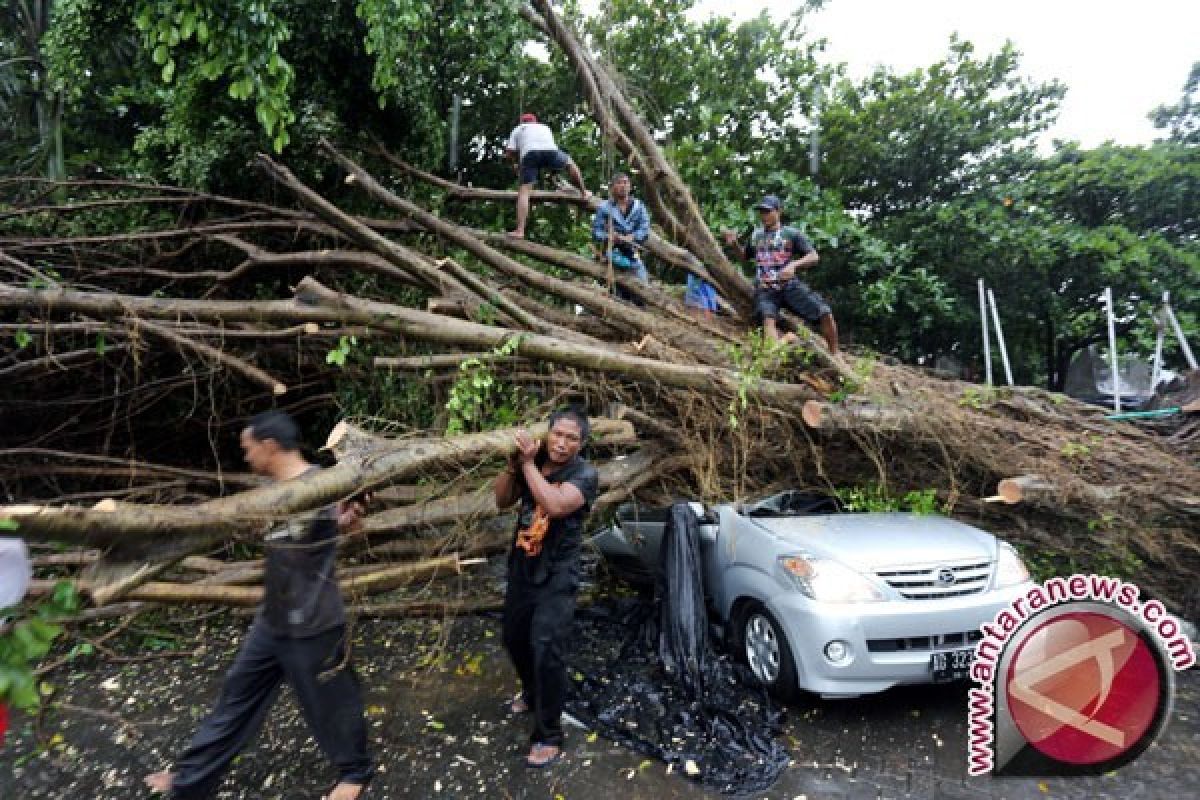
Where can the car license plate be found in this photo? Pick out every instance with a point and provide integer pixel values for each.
(952, 665)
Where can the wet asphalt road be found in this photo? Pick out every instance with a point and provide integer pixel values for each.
(434, 701)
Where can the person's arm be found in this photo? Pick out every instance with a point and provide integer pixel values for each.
(557, 501)
(600, 224)
(512, 149)
(735, 250)
(350, 513)
(640, 223)
(807, 260)
(507, 488)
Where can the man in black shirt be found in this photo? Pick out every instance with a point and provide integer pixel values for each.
(556, 488)
(298, 636)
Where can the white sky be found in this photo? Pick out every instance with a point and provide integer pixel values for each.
(1118, 60)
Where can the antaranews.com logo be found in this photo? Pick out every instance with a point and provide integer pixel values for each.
(1076, 677)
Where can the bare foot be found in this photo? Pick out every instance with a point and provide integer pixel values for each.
(542, 755)
(160, 781)
(585, 194)
(346, 791)
(516, 234)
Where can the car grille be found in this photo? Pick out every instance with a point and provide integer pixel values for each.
(940, 580)
(939, 642)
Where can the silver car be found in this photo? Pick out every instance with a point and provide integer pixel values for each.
(832, 602)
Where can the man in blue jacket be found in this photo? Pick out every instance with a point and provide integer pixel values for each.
(620, 227)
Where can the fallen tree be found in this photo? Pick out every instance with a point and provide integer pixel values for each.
(311, 308)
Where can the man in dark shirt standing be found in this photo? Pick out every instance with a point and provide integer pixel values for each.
(556, 488)
(779, 252)
(298, 636)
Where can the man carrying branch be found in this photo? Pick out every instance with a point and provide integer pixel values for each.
(298, 636)
(556, 488)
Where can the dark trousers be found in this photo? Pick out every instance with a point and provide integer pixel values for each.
(537, 622)
(328, 695)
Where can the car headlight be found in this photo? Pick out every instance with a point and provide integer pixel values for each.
(828, 581)
(1009, 569)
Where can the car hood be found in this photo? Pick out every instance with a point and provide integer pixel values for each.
(872, 541)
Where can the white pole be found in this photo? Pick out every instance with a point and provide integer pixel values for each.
(1160, 334)
(1187, 351)
(987, 343)
(1000, 337)
(1112, 350)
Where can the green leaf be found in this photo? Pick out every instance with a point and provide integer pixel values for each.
(23, 338)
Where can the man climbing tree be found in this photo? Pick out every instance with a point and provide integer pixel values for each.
(531, 148)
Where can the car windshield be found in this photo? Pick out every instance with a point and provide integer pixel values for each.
(793, 503)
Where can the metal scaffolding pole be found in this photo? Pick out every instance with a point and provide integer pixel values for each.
(987, 343)
(1112, 350)
(1000, 337)
(1183, 345)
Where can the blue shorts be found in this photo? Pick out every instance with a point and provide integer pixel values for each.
(795, 296)
(535, 161)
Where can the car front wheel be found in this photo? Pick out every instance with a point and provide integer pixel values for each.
(768, 654)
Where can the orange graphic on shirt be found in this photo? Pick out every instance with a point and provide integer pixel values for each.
(530, 539)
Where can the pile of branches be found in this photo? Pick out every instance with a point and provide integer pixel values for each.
(142, 353)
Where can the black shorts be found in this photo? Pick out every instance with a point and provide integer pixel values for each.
(536, 160)
(795, 296)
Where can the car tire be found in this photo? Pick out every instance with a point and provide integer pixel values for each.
(764, 648)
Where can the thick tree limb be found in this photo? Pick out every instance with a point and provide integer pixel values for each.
(332, 307)
(535, 346)
(439, 361)
(256, 509)
(359, 232)
(382, 580)
(830, 417)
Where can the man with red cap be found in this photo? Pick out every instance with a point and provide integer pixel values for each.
(531, 148)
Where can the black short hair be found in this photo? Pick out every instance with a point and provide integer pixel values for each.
(576, 416)
(277, 425)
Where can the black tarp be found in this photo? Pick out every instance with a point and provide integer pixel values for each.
(646, 675)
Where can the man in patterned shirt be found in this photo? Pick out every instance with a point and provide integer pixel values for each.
(779, 252)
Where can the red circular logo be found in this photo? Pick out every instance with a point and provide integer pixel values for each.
(1083, 688)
